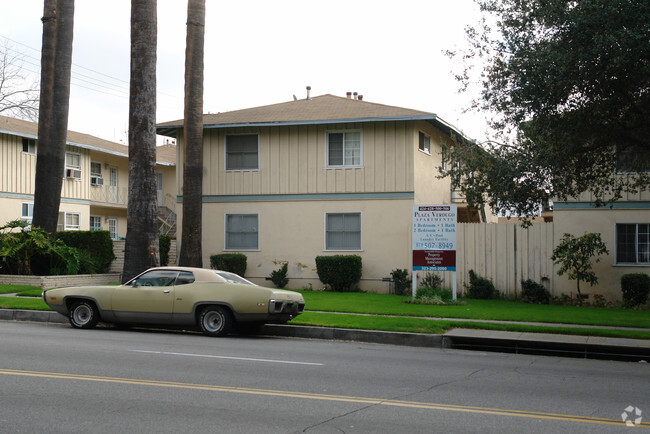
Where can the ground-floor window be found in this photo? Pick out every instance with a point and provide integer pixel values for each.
(27, 212)
(95, 223)
(69, 221)
(633, 243)
(242, 232)
(343, 231)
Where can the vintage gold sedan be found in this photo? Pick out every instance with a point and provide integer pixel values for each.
(211, 300)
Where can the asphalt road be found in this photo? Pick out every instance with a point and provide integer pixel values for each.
(57, 379)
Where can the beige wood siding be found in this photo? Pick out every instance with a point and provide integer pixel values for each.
(293, 160)
(17, 169)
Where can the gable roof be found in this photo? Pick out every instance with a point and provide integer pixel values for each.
(324, 109)
(165, 155)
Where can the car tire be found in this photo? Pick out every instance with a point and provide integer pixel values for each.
(83, 315)
(215, 321)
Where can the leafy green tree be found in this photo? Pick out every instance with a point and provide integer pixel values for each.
(566, 84)
(574, 257)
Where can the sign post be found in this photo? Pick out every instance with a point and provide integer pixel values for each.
(434, 240)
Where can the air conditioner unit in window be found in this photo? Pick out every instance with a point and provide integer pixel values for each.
(96, 180)
(72, 173)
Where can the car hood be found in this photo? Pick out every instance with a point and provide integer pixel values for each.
(283, 294)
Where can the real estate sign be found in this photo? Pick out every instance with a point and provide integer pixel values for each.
(434, 237)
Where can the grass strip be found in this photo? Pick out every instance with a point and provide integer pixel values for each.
(505, 310)
(423, 325)
(23, 303)
(8, 289)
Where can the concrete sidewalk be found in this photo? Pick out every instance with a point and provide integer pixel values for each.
(594, 347)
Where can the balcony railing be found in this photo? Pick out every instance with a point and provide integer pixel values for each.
(109, 194)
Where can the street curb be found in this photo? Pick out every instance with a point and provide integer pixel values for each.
(465, 339)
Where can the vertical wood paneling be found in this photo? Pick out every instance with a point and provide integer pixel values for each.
(379, 168)
(505, 254)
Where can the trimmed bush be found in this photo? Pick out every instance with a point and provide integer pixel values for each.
(340, 272)
(97, 245)
(480, 287)
(533, 292)
(635, 288)
(164, 244)
(232, 262)
(279, 277)
(401, 281)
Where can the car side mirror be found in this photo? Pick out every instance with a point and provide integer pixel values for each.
(134, 283)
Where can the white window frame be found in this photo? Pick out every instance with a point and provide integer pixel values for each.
(94, 227)
(344, 149)
(226, 231)
(63, 221)
(72, 165)
(95, 173)
(227, 154)
(638, 253)
(424, 142)
(112, 227)
(30, 211)
(31, 146)
(328, 232)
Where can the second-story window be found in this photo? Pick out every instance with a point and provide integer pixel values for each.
(29, 146)
(242, 152)
(424, 144)
(344, 149)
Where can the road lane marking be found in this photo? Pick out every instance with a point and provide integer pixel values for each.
(209, 356)
(322, 397)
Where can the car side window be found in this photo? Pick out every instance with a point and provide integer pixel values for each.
(184, 278)
(156, 278)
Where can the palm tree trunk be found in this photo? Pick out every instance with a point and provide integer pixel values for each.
(56, 64)
(191, 249)
(141, 246)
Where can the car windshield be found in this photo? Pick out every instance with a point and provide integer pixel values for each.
(233, 278)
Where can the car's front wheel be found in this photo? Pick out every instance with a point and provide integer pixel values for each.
(84, 315)
(215, 321)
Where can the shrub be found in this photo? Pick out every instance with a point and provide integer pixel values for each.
(533, 292)
(427, 292)
(340, 272)
(431, 280)
(279, 277)
(164, 244)
(574, 255)
(401, 281)
(635, 287)
(232, 262)
(97, 244)
(28, 250)
(480, 287)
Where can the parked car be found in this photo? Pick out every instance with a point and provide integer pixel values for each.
(211, 300)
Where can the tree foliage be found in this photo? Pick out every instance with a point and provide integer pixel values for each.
(574, 255)
(568, 87)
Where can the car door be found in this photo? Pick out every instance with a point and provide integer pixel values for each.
(148, 299)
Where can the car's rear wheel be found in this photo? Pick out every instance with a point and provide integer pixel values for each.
(84, 315)
(215, 321)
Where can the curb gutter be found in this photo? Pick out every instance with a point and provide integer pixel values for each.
(467, 339)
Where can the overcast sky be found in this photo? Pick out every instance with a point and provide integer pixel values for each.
(260, 52)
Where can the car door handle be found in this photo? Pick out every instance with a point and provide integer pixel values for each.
(167, 291)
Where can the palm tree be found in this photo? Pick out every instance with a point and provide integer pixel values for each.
(141, 247)
(191, 254)
(56, 64)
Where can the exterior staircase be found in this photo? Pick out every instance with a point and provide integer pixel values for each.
(167, 221)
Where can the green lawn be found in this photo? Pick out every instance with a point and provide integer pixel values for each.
(383, 304)
(391, 313)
